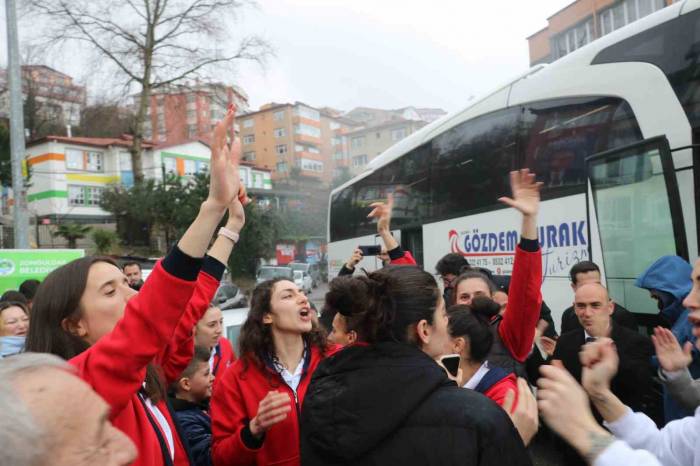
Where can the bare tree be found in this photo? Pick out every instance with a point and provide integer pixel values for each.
(152, 43)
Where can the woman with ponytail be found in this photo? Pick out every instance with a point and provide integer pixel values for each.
(472, 340)
(129, 345)
(387, 401)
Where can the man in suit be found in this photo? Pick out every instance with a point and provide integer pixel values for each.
(594, 309)
(633, 383)
(588, 272)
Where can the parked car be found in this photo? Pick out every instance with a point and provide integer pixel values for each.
(303, 281)
(312, 269)
(268, 272)
(229, 296)
(233, 321)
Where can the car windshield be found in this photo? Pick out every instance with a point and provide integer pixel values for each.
(273, 272)
(226, 292)
(301, 267)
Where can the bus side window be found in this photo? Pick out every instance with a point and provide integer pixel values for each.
(556, 137)
(470, 164)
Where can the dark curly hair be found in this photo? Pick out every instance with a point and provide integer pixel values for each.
(255, 342)
(384, 304)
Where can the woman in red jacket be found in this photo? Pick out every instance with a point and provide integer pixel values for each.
(86, 312)
(208, 333)
(472, 339)
(256, 405)
(514, 333)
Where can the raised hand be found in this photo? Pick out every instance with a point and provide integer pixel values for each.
(382, 212)
(271, 410)
(599, 363)
(354, 259)
(524, 416)
(671, 356)
(225, 181)
(526, 192)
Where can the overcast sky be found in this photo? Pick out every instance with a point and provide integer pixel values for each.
(378, 53)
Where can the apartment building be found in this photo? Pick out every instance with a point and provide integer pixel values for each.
(368, 116)
(184, 113)
(288, 138)
(583, 21)
(58, 97)
(366, 143)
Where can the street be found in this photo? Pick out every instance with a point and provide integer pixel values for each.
(317, 295)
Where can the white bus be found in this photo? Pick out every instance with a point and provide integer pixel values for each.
(609, 129)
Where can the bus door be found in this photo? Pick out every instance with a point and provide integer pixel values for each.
(635, 217)
(412, 240)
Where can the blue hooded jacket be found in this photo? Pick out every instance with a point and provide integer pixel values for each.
(671, 276)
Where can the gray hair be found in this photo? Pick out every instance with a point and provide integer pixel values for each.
(21, 439)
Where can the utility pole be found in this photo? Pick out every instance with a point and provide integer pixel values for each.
(14, 74)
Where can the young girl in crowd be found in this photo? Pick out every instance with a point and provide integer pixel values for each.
(127, 346)
(514, 332)
(14, 322)
(472, 340)
(256, 404)
(208, 333)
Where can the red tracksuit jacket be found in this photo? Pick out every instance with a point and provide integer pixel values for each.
(235, 402)
(223, 358)
(517, 329)
(115, 366)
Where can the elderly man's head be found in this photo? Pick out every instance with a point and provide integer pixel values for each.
(50, 416)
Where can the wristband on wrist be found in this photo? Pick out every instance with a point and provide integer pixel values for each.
(230, 234)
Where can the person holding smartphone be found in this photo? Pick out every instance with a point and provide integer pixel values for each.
(392, 253)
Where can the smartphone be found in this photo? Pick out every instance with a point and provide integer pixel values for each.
(451, 363)
(370, 250)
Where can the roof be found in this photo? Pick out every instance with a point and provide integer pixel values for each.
(31, 67)
(166, 145)
(87, 141)
(388, 124)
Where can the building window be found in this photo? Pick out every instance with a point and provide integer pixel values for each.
(625, 12)
(191, 115)
(359, 161)
(334, 125)
(279, 116)
(249, 139)
(202, 166)
(306, 112)
(281, 149)
(248, 123)
(190, 167)
(398, 134)
(85, 195)
(313, 149)
(357, 142)
(280, 132)
(573, 38)
(249, 156)
(170, 165)
(191, 98)
(307, 130)
(84, 160)
(336, 141)
(191, 131)
(312, 165)
(76, 195)
(74, 159)
(282, 167)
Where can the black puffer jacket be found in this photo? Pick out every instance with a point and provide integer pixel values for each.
(391, 404)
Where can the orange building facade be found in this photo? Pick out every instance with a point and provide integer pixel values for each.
(584, 21)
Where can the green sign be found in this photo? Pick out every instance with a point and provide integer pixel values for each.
(18, 265)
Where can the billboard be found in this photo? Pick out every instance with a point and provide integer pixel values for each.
(18, 265)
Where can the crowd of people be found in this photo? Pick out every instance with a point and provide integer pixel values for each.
(101, 367)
